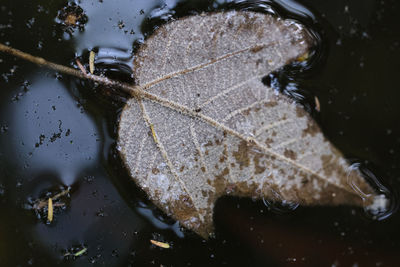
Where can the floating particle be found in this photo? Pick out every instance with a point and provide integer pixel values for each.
(91, 61)
(159, 244)
(50, 210)
(121, 24)
(80, 252)
(317, 104)
(72, 16)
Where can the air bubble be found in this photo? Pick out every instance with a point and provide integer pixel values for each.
(379, 206)
(280, 206)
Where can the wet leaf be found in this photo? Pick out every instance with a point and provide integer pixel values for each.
(212, 128)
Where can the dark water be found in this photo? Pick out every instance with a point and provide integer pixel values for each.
(57, 132)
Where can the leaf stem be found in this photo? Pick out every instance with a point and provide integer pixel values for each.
(133, 90)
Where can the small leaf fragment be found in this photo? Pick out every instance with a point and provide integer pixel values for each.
(160, 244)
(317, 104)
(91, 61)
(50, 210)
(303, 57)
(80, 252)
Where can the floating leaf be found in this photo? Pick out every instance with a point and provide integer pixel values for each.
(209, 127)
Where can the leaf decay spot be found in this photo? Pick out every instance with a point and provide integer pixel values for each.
(290, 154)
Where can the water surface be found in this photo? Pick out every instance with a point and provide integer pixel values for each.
(57, 132)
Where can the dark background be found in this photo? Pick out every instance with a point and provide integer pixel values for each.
(58, 132)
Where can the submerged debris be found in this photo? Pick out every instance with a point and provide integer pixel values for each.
(46, 206)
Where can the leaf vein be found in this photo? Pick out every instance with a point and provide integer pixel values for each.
(250, 140)
(227, 90)
(149, 84)
(164, 154)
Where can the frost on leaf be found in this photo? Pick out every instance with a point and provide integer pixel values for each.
(212, 128)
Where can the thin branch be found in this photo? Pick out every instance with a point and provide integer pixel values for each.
(81, 67)
(127, 88)
(41, 203)
(41, 61)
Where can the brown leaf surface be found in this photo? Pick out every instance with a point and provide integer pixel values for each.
(213, 128)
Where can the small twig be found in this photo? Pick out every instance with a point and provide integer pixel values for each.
(43, 203)
(61, 194)
(81, 67)
(40, 61)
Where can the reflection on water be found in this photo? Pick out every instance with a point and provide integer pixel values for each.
(46, 139)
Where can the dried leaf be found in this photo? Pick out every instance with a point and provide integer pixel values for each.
(212, 128)
(159, 244)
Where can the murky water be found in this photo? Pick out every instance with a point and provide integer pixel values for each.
(57, 132)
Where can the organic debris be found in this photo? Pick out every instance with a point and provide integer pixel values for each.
(75, 252)
(317, 104)
(72, 16)
(50, 210)
(80, 66)
(159, 244)
(45, 207)
(80, 252)
(91, 61)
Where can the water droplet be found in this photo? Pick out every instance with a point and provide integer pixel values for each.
(280, 207)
